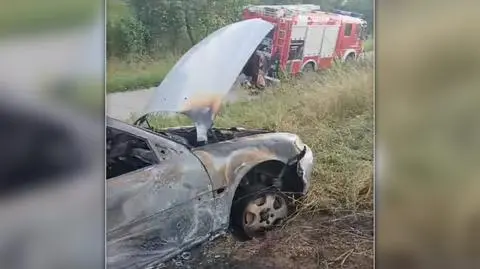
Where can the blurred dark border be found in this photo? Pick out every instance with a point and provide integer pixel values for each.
(52, 122)
(428, 134)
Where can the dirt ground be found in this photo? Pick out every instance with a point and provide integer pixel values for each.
(321, 241)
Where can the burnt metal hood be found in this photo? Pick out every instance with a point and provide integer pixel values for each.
(199, 81)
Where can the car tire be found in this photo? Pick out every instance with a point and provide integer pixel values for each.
(259, 212)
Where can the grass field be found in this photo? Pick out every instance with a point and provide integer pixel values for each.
(368, 45)
(134, 75)
(333, 113)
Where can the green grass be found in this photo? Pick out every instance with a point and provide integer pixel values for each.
(117, 9)
(369, 43)
(125, 76)
(333, 113)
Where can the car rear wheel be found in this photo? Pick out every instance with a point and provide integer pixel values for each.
(258, 213)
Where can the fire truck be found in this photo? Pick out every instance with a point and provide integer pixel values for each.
(305, 38)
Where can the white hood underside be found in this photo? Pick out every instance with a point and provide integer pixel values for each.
(200, 80)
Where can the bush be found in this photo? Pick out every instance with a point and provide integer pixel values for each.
(127, 37)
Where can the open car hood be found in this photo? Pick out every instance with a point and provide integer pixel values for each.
(199, 81)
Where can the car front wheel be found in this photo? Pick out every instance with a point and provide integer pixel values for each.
(259, 212)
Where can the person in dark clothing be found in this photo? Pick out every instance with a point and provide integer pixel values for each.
(255, 69)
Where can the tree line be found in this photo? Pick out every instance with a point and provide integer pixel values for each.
(146, 28)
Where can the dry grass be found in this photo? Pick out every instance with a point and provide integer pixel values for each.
(332, 113)
(315, 242)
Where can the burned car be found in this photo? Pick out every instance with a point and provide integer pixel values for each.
(170, 189)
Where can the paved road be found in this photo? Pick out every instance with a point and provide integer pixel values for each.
(129, 105)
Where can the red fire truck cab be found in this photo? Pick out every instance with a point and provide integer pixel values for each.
(306, 38)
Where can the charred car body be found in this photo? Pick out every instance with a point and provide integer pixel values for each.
(170, 189)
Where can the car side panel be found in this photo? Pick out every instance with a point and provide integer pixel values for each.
(155, 212)
(223, 160)
(227, 162)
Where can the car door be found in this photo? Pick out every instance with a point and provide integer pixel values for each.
(156, 211)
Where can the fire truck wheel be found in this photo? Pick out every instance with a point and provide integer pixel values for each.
(350, 58)
(308, 68)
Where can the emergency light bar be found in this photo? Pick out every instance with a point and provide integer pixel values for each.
(282, 10)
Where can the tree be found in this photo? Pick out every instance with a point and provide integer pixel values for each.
(364, 7)
(152, 26)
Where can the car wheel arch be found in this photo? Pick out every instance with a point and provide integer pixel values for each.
(296, 184)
